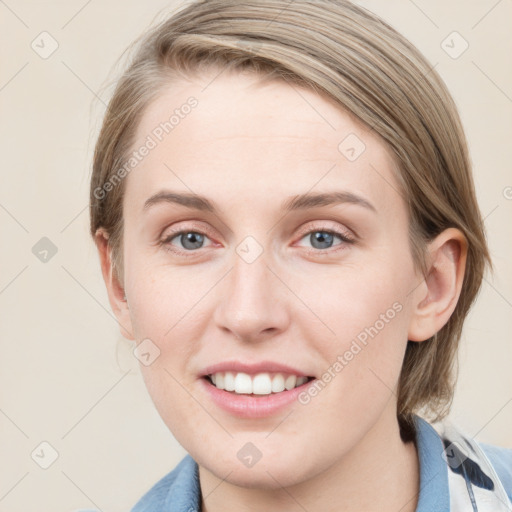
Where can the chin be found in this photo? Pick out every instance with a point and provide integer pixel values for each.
(264, 477)
(271, 472)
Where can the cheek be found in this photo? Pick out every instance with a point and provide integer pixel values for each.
(164, 318)
(367, 310)
(163, 299)
(172, 398)
(353, 298)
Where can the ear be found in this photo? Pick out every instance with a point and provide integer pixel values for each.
(435, 299)
(115, 290)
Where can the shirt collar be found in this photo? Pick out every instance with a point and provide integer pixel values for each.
(185, 493)
(434, 493)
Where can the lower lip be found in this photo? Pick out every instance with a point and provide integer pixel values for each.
(252, 406)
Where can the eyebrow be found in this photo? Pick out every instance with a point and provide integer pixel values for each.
(299, 202)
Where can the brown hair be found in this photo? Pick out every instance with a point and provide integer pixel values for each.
(347, 53)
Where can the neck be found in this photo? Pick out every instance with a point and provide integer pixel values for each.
(380, 474)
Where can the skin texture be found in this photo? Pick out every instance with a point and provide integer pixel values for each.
(248, 147)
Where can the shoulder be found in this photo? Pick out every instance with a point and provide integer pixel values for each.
(178, 488)
(501, 460)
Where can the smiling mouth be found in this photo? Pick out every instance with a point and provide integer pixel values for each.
(259, 384)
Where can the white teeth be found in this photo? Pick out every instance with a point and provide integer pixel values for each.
(260, 384)
(243, 383)
(229, 381)
(277, 383)
(290, 382)
(301, 380)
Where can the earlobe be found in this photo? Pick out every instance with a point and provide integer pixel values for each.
(115, 291)
(436, 299)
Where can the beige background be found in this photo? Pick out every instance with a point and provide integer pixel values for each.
(61, 378)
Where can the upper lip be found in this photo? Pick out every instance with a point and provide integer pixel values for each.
(252, 368)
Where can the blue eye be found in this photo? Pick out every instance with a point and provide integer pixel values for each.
(322, 239)
(189, 240)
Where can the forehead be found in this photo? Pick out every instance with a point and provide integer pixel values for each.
(223, 134)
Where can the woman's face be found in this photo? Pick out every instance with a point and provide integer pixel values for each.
(293, 262)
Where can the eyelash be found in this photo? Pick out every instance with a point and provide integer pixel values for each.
(345, 238)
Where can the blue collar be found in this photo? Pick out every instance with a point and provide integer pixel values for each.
(179, 490)
(434, 493)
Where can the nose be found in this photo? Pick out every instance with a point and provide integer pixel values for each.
(252, 303)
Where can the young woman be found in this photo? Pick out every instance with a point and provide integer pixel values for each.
(287, 226)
